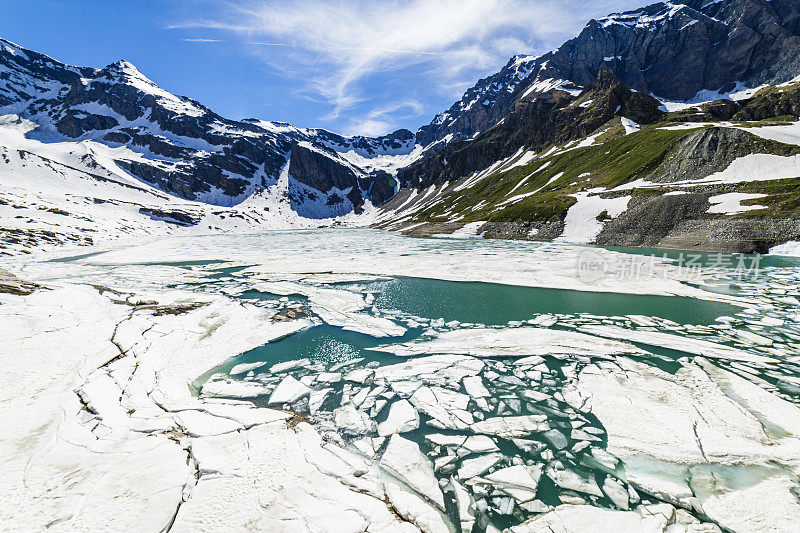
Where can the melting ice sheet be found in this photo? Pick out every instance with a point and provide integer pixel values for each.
(382, 253)
(650, 405)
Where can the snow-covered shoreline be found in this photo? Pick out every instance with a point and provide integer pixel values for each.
(102, 432)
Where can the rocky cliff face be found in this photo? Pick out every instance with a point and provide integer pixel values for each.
(671, 50)
(708, 151)
(329, 180)
(321, 169)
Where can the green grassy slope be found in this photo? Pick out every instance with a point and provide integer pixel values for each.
(549, 183)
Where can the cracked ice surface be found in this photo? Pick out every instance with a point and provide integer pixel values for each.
(372, 252)
(703, 436)
(132, 450)
(513, 342)
(557, 422)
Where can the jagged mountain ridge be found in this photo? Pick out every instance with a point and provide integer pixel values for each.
(113, 125)
(675, 51)
(174, 143)
(553, 116)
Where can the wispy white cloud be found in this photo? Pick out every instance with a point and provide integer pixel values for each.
(382, 119)
(202, 40)
(339, 47)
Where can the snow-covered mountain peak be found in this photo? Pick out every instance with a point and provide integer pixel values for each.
(644, 16)
(117, 118)
(12, 48)
(124, 66)
(655, 15)
(674, 50)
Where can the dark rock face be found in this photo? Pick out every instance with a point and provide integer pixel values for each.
(179, 218)
(381, 187)
(11, 284)
(523, 230)
(670, 50)
(550, 118)
(718, 110)
(396, 142)
(481, 106)
(747, 236)
(322, 169)
(314, 168)
(666, 230)
(703, 153)
(30, 75)
(772, 102)
(651, 218)
(76, 124)
(678, 222)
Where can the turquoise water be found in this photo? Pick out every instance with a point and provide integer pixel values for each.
(324, 343)
(466, 302)
(494, 304)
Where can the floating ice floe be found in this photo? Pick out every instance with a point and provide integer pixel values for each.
(225, 387)
(433, 370)
(702, 437)
(338, 307)
(519, 482)
(510, 427)
(350, 420)
(401, 419)
(288, 391)
(475, 466)
(285, 366)
(404, 459)
(447, 409)
(675, 342)
(473, 385)
(245, 367)
(512, 342)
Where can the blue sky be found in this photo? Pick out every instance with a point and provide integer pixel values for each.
(356, 67)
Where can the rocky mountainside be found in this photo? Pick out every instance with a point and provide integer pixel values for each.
(664, 126)
(705, 177)
(675, 51)
(675, 125)
(552, 117)
(172, 142)
(343, 186)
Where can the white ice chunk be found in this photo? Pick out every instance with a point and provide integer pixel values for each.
(288, 391)
(515, 342)
(475, 466)
(405, 460)
(245, 367)
(402, 418)
(473, 385)
(519, 482)
(447, 408)
(289, 365)
(510, 427)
